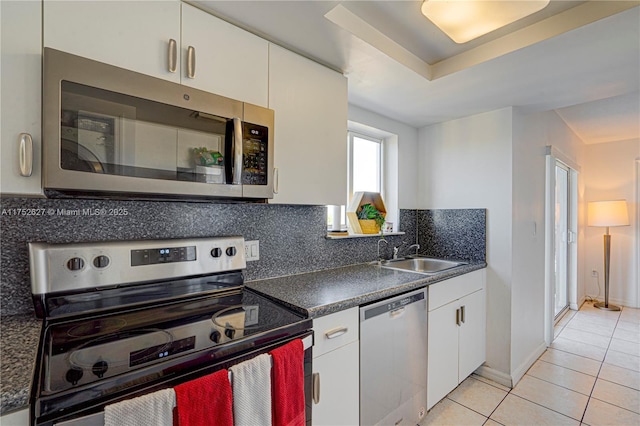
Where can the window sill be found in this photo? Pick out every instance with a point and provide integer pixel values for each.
(345, 237)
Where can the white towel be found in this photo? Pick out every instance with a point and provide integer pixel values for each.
(154, 409)
(252, 392)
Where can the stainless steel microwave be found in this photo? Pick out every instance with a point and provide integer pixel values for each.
(115, 132)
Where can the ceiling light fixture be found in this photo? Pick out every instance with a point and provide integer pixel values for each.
(465, 20)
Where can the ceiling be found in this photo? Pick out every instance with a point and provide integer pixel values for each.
(579, 58)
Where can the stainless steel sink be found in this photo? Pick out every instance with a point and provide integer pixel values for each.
(422, 265)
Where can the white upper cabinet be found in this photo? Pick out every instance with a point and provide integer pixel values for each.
(130, 34)
(223, 59)
(310, 104)
(21, 23)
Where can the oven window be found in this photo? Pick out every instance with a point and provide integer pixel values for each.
(111, 133)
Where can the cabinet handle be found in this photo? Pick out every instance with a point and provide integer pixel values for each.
(191, 62)
(276, 178)
(25, 154)
(462, 314)
(336, 332)
(458, 316)
(173, 55)
(316, 388)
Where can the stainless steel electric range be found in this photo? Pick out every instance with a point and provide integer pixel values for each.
(122, 319)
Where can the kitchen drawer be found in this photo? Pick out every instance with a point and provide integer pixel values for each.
(335, 330)
(454, 288)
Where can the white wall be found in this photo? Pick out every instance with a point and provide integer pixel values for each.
(407, 141)
(496, 161)
(609, 172)
(466, 163)
(531, 134)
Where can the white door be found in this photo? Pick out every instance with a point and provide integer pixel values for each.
(442, 362)
(129, 34)
(472, 351)
(339, 382)
(561, 239)
(227, 60)
(21, 97)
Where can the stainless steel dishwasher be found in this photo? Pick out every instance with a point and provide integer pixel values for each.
(393, 360)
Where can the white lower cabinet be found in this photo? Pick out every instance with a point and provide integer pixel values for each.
(16, 418)
(457, 330)
(336, 371)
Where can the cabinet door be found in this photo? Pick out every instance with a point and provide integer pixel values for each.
(310, 104)
(472, 334)
(339, 387)
(21, 59)
(129, 34)
(442, 359)
(228, 60)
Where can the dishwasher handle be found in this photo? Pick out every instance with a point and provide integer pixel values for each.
(396, 313)
(394, 306)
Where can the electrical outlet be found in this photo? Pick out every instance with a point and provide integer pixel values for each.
(252, 250)
(594, 273)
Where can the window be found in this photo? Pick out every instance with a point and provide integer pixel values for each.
(365, 164)
(364, 174)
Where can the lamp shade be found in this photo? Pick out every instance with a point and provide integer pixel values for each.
(607, 213)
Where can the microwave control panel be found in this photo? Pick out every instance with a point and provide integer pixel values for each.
(255, 143)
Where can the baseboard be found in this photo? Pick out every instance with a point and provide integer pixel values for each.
(533, 357)
(495, 375)
(576, 307)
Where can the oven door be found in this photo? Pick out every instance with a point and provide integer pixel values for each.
(93, 414)
(118, 132)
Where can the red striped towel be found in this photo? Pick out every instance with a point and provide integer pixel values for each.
(205, 401)
(287, 384)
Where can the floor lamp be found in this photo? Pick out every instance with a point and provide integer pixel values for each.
(607, 214)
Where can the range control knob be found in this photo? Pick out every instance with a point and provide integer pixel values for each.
(215, 336)
(231, 251)
(230, 332)
(101, 261)
(75, 264)
(73, 376)
(216, 252)
(99, 368)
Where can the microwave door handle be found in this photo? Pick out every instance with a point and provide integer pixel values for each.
(237, 151)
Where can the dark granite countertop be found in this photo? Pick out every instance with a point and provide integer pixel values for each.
(313, 294)
(324, 292)
(19, 336)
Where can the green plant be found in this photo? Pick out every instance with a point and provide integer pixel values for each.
(369, 211)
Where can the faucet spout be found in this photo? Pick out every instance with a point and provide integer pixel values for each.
(381, 240)
(415, 246)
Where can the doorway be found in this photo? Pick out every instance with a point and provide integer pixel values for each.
(561, 227)
(562, 239)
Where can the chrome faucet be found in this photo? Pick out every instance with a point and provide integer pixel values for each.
(380, 241)
(397, 249)
(415, 246)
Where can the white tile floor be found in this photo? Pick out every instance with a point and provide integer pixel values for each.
(590, 375)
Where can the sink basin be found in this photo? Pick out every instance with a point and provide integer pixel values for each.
(422, 265)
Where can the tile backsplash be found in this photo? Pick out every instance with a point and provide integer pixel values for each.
(292, 238)
(453, 233)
